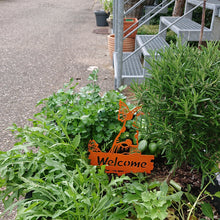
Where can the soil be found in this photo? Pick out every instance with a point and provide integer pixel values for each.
(184, 176)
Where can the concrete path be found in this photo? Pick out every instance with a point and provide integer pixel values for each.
(43, 44)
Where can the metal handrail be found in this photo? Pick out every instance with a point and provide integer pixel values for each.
(161, 32)
(150, 12)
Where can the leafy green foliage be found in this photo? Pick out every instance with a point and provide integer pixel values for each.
(197, 16)
(56, 192)
(150, 201)
(47, 176)
(153, 29)
(69, 113)
(207, 210)
(107, 5)
(82, 192)
(181, 102)
(22, 171)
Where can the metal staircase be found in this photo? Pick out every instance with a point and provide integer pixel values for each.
(133, 66)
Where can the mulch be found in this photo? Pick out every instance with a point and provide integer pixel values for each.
(185, 176)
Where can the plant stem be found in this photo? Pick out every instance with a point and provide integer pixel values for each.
(197, 200)
(171, 173)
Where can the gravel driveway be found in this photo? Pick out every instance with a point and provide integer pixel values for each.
(43, 44)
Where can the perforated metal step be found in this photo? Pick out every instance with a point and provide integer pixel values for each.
(185, 28)
(135, 68)
(156, 44)
(132, 69)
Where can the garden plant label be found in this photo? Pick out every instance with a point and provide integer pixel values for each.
(124, 156)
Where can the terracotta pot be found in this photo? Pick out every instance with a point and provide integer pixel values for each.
(128, 44)
(129, 22)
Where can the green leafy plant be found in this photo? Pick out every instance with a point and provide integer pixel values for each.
(22, 170)
(153, 29)
(47, 174)
(69, 113)
(56, 192)
(148, 201)
(53, 181)
(46, 187)
(107, 5)
(155, 203)
(181, 102)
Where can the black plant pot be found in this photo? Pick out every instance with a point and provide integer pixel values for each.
(101, 17)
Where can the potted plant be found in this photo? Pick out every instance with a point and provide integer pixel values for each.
(128, 44)
(102, 15)
(107, 6)
(128, 22)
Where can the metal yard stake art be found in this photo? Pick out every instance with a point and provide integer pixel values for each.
(124, 156)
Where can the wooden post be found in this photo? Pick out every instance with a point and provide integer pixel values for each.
(202, 24)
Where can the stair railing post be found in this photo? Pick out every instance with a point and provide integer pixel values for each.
(114, 15)
(119, 42)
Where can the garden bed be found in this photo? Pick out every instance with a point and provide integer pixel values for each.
(179, 127)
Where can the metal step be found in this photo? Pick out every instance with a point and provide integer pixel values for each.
(132, 69)
(156, 44)
(185, 28)
(135, 68)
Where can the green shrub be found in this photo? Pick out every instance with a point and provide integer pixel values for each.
(148, 201)
(153, 29)
(55, 181)
(148, 30)
(45, 188)
(197, 16)
(52, 190)
(70, 113)
(182, 104)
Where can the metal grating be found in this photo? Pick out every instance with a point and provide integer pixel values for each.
(156, 44)
(184, 24)
(132, 67)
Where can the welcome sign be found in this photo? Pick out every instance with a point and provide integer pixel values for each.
(122, 164)
(130, 158)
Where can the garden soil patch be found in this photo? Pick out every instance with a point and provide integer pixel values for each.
(185, 175)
